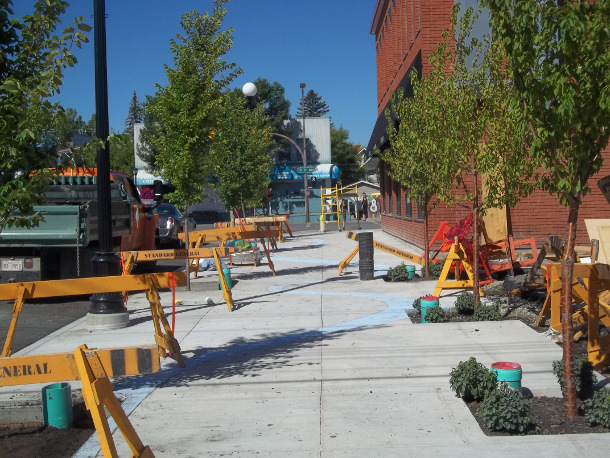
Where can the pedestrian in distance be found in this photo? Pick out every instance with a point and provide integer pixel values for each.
(364, 207)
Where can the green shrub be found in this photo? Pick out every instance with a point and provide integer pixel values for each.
(464, 303)
(584, 378)
(597, 409)
(472, 381)
(487, 313)
(436, 268)
(506, 409)
(417, 304)
(436, 315)
(398, 273)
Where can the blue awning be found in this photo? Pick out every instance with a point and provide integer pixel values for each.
(321, 171)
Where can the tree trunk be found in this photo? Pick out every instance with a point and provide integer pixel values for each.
(509, 239)
(475, 251)
(567, 333)
(426, 242)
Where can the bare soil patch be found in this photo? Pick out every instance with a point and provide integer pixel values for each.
(33, 441)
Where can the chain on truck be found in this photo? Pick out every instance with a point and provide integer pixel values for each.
(64, 242)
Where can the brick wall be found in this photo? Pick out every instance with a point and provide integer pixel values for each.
(415, 26)
(537, 216)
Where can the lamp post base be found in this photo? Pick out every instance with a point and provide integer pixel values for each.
(107, 321)
(107, 310)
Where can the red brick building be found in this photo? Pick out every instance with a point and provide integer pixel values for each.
(406, 33)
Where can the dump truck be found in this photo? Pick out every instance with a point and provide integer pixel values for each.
(64, 242)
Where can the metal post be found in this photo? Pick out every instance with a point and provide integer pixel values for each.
(305, 187)
(106, 310)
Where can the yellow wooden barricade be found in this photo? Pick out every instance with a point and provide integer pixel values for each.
(458, 255)
(151, 283)
(551, 308)
(222, 236)
(93, 368)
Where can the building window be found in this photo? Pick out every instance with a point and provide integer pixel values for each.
(390, 208)
(408, 207)
(420, 210)
(398, 198)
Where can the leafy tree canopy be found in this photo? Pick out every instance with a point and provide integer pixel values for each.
(559, 55)
(345, 156)
(34, 56)
(314, 106)
(241, 156)
(276, 106)
(185, 110)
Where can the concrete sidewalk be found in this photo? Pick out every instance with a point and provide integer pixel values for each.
(311, 364)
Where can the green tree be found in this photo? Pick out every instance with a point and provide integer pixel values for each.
(456, 139)
(276, 106)
(186, 108)
(66, 124)
(344, 155)
(241, 155)
(134, 115)
(314, 106)
(559, 55)
(121, 153)
(147, 150)
(31, 73)
(90, 127)
(417, 152)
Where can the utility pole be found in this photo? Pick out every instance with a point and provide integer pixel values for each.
(305, 183)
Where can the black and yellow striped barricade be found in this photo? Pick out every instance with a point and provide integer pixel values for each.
(130, 258)
(92, 367)
(381, 246)
(151, 283)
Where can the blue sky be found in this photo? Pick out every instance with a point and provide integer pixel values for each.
(323, 43)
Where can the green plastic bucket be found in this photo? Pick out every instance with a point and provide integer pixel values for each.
(509, 373)
(410, 272)
(426, 303)
(227, 274)
(57, 405)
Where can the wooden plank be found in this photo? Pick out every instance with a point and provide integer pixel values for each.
(593, 226)
(93, 285)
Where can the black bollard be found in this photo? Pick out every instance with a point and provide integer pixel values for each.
(365, 249)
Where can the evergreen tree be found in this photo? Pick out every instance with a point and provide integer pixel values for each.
(135, 114)
(315, 107)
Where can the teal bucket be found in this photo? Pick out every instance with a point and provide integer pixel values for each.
(410, 272)
(227, 274)
(509, 373)
(57, 405)
(426, 303)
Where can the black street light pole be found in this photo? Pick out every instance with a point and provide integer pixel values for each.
(106, 310)
(305, 183)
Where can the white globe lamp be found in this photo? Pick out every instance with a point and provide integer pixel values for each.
(249, 89)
